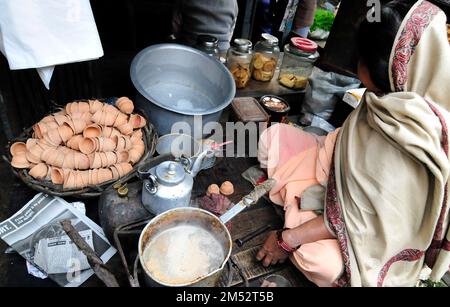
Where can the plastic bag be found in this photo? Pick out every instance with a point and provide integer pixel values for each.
(324, 91)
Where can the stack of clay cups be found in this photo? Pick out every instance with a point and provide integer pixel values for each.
(87, 143)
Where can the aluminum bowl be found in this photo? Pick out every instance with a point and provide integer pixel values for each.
(176, 83)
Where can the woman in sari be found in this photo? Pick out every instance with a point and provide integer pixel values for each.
(367, 205)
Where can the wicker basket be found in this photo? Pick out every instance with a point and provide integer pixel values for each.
(150, 138)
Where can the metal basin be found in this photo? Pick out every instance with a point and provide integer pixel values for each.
(176, 83)
(179, 244)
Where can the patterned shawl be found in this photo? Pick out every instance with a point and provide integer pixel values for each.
(387, 193)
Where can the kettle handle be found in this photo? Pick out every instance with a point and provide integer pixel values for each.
(152, 185)
(144, 169)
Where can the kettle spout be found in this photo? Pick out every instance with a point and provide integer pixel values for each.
(198, 163)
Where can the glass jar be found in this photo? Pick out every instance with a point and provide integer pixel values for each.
(239, 59)
(265, 58)
(209, 45)
(298, 62)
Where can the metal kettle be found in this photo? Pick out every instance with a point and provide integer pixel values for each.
(169, 184)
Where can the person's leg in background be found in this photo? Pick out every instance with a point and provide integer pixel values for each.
(263, 20)
(304, 17)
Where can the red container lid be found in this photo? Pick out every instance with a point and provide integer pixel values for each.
(304, 44)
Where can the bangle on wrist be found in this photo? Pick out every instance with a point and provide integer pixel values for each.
(282, 244)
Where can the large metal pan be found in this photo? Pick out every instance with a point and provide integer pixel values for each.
(176, 83)
(190, 246)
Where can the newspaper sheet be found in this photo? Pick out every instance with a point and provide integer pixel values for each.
(36, 234)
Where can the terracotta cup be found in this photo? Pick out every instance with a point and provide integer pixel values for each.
(83, 107)
(126, 129)
(120, 142)
(137, 143)
(128, 143)
(108, 144)
(95, 105)
(110, 118)
(53, 137)
(69, 161)
(33, 158)
(20, 161)
(97, 116)
(92, 131)
(125, 105)
(48, 119)
(51, 157)
(104, 175)
(59, 160)
(65, 132)
(121, 119)
(79, 183)
(94, 177)
(137, 121)
(111, 157)
(36, 151)
(77, 125)
(68, 107)
(123, 156)
(61, 119)
(31, 143)
(74, 142)
(126, 168)
(103, 159)
(39, 171)
(85, 178)
(137, 135)
(96, 162)
(82, 161)
(17, 148)
(69, 180)
(134, 156)
(57, 176)
(88, 145)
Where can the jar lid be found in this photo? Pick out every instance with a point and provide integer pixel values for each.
(207, 41)
(304, 44)
(170, 173)
(270, 39)
(242, 44)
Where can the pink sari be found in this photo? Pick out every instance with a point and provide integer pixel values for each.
(298, 161)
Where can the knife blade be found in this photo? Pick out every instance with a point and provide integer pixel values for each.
(248, 200)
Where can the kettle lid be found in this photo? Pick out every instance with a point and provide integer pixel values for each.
(170, 173)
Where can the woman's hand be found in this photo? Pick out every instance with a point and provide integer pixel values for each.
(271, 253)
